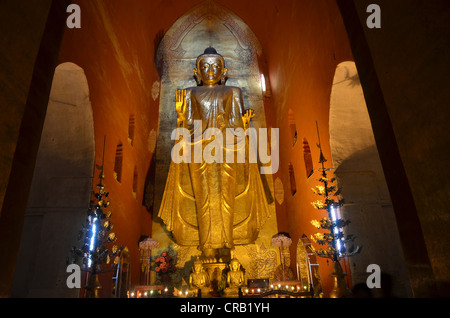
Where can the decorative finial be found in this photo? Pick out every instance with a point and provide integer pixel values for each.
(321, 157)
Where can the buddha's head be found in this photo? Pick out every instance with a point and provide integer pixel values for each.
(198, 266)
(235, 265)
(210, 68)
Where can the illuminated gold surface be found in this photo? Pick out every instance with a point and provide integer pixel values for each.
(210, 24)
(235, 279)
(213, 205)
(198, 278)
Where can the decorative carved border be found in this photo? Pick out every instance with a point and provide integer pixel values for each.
(170, 47)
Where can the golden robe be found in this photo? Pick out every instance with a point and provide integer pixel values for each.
(214, 205)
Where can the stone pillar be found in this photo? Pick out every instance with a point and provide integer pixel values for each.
(29, 46)
(381, 105)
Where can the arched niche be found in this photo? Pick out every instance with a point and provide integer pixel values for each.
(208, 24)
(60, 190)
(358, 170)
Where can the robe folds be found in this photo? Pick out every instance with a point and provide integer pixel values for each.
(214, 204)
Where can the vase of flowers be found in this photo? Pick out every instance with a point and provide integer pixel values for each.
(164, 266)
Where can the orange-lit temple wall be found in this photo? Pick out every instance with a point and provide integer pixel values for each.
(401, 67)
(299, 62)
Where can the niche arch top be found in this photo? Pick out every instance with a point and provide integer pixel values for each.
(70, 85)
(207, 24)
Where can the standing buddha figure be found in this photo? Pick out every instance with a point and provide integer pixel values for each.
(216, 204)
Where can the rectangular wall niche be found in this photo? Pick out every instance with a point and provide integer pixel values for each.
(131, 125)
(118, 162)
(292, 127)
(292, 179)
(307, 158)
(135, 181)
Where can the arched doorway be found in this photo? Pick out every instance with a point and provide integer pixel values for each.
(60, 190)
(358, 170)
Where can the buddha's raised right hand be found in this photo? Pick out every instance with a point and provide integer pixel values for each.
(247, 116)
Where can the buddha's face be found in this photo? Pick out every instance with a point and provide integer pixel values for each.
(198, 267)
(234, 266)
(210, 70)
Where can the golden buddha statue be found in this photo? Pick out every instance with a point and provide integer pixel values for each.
(213, 204)
(198, 278)
(235, 279)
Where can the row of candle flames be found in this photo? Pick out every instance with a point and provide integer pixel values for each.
(253, 291)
